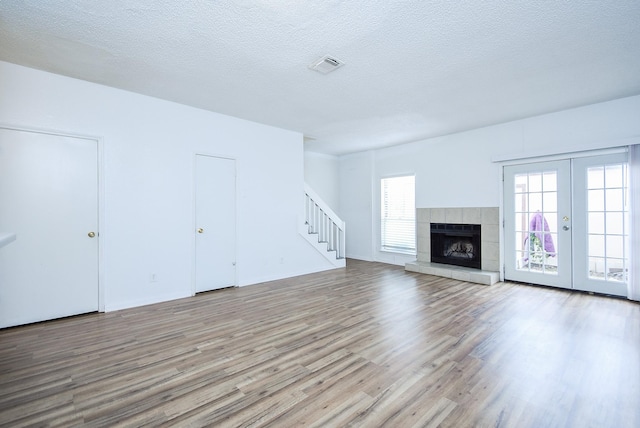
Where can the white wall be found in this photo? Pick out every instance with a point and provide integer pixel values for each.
(321, 173)
(148, 161)
(458, 170)
(355, 176)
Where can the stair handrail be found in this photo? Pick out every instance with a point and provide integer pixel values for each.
(323, 206)
(334, 232)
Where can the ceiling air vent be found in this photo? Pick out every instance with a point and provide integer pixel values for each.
(326, 64)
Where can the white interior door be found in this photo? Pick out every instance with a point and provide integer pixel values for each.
(566, 223)
(215, 225)
(49, 198)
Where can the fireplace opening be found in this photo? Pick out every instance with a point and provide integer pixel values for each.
(456, 244)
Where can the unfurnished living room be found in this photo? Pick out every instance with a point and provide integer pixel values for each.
(320, 213)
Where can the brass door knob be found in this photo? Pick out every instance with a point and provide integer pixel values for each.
(200, 230)
(91, 234)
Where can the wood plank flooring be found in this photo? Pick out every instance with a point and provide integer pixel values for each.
(366, 346)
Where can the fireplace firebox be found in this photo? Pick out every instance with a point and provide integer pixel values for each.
(456, 244)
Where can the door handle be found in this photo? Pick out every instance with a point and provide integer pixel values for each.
(565, 227)
(91, 234)
(200, 230)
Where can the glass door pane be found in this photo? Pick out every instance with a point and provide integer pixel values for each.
(536, 211)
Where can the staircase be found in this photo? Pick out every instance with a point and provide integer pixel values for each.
(323, 229)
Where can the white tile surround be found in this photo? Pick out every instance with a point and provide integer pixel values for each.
(488, 218)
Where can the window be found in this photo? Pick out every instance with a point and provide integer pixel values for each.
(398, 214)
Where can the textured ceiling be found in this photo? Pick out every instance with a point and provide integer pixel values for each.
(414, 69)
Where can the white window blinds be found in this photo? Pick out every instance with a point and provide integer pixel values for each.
(398, 214)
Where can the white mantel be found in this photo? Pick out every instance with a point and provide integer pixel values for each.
(6, 238)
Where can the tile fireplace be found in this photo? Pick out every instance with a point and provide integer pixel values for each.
(484, 249)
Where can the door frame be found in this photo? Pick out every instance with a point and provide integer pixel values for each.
(194, 219)
(101, 192)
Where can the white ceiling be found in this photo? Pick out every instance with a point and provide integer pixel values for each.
(414, 69)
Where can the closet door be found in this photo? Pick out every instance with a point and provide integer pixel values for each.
(49, 199)
(215, 253)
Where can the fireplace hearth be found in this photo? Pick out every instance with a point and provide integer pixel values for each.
(456, 244)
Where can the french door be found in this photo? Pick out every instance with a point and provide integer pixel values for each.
(537, 221)
(566, 223)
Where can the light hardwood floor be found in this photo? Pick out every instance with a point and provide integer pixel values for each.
(370, 345)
